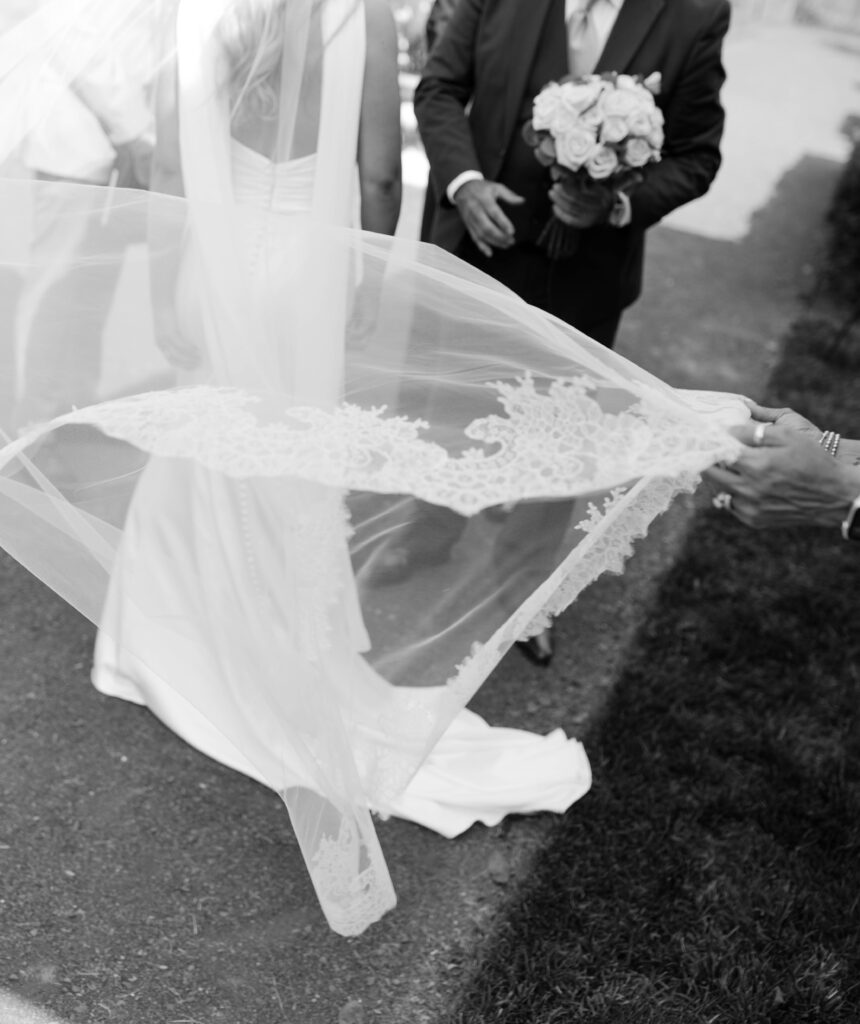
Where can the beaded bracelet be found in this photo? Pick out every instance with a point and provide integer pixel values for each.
(829, 441)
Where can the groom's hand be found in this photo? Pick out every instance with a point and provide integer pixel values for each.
(485, 220)
(584, 207)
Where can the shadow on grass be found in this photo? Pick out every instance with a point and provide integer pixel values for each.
(711, 875)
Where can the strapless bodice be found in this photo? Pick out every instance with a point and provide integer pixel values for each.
(285, 187)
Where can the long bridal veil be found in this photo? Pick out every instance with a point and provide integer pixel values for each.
(272, 394)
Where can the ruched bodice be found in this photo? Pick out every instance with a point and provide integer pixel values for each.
(259, 182)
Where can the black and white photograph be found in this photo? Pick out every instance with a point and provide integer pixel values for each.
(429, 511)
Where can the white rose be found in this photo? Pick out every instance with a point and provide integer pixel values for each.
(574, 146)
(653, 83)
(640, 122)
(638, 152)
(646, 98)
(546, 152)
(656, 138)
(592, 117)
(619, 103)
(630, 84)
(601, 163)
(547, 107)
(626, 82)
(614, 129)
(579, 96)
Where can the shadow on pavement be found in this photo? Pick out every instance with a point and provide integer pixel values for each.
(142, 883)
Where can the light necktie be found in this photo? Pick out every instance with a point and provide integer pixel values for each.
(584, 45)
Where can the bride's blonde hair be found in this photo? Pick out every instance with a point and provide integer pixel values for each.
(252, 35)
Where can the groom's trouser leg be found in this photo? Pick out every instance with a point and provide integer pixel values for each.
(543, 525)
(435, 530)
(534, 539)
(428, 213)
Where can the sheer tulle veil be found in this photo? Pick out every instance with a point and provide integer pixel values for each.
(297, 437)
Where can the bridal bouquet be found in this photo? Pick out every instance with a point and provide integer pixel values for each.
(597, 131)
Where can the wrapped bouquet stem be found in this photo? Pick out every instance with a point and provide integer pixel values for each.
(583, 197)
(559, 239)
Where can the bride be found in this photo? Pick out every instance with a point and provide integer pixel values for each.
(276, 577)
(218, 513)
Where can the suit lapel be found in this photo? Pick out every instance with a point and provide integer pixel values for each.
(631, 26)
(525, 28)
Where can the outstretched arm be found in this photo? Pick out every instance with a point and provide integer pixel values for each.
(787, 478)
(379, 138)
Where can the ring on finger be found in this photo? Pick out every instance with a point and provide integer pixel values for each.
(722, 501)
(758, 434)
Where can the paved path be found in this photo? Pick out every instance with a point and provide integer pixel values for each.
(141, 884)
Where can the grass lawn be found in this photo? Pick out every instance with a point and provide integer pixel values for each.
(713, 873)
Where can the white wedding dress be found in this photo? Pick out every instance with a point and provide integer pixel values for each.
(293, 595)
(217, 525)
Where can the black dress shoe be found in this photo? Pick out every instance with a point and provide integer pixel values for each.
(539, 649)
(398, 562)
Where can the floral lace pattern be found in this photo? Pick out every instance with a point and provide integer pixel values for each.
(612, 535)
(411, 716)
(610, 544)
(315, 533)
(567, 437)
(555, 442)
(319, 536)
(351, 900)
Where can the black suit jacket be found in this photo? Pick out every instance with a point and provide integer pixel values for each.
(470, 97)
(437, 21)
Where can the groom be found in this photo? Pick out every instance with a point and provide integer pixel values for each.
(475, 96)
(471, 104)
